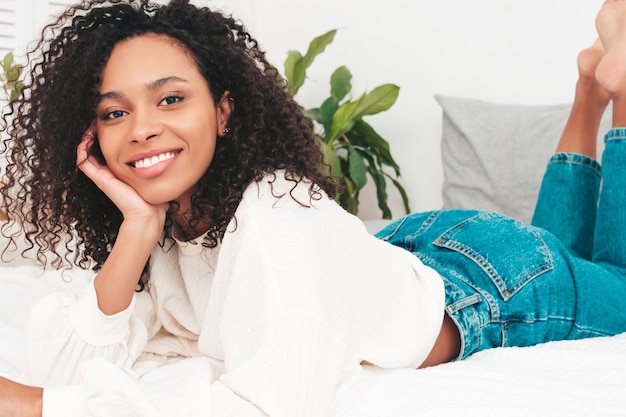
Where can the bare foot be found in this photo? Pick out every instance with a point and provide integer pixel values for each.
(590, 101)
(589, 58)
(611, 27)
(588, 61)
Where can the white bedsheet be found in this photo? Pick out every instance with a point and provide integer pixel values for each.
(571, 378)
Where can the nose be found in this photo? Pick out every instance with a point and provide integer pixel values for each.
(146, 126)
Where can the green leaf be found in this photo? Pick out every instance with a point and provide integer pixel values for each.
(13, 73)
(331, 158)
(349, 198)
(327, 112)
(357, 168)
(293, 57)
(379, 99)
(364, 135)
(317, 46)
(381, 193)
(376, 171)
(297, 64)
(7, 62)
(340, 83)
(403, 194)
(313, 114)
(343, 119)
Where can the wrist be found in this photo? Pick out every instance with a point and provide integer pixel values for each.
(146, 229)
(117, 280)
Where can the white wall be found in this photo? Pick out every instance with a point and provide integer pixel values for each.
(515, 51)
(504, 50)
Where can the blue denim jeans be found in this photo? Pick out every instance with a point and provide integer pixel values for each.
(514, 284)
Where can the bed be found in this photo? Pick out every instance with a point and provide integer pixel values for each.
(493, 157)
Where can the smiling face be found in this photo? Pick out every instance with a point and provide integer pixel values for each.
(157, 123)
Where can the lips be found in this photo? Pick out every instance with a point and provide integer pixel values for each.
(151, 165)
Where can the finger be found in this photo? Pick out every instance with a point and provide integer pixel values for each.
(82, 153)
(87, 141)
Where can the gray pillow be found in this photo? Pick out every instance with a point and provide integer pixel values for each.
(494, 155)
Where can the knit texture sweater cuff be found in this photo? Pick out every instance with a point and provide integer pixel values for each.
(95, 327)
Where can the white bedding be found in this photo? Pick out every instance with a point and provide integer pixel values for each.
(572, 378)
(579, 378)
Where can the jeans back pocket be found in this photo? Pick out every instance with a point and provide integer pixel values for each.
(510, 253)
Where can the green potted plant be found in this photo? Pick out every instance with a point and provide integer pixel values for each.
(10, 77)
(351, 147)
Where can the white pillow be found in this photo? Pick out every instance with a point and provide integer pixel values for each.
(494, 155)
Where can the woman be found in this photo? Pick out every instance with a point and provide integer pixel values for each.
(197, 177)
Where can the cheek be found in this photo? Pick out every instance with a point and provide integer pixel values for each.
(107, 151)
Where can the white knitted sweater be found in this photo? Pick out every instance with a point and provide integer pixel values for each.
(276, 321)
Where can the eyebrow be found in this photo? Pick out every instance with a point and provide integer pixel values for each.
(151, 86)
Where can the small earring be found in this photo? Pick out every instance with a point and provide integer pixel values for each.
(226, 131)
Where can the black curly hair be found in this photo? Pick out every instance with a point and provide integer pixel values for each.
(49, 197)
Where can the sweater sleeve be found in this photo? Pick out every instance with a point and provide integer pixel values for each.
(66, 331)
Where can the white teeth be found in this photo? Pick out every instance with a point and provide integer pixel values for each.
(148, 162)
